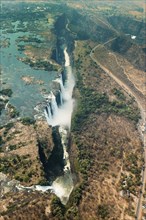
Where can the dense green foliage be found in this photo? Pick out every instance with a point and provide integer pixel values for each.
(7, 92)
(130, 183)
(102, 211)
(119, 94)
(8, 127)
(57, 208)
(84, 159)
(27, 121)
(13, 147)
(17, 166)
(93, 102)
(70, 211)
(41, 64)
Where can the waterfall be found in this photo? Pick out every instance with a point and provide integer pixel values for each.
(60, 81)
(61, 99)
(48, 109)
(67, 60)
(61, 116)
(36, 187)
(64, 135)
(53, 104)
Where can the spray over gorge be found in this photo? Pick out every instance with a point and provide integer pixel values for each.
(61, 116)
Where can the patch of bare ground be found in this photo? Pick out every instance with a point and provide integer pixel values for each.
(108, 144)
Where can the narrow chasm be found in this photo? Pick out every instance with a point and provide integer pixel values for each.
(53, 164)
(58, 113)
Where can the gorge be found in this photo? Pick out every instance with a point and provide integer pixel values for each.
(61, 115)
(70, 144)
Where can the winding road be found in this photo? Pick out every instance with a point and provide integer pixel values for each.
(141, 101)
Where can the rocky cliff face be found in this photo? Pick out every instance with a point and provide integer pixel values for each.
(87, 28)
(129, 25)
(64, 38)
(52, 160)
(130, 50)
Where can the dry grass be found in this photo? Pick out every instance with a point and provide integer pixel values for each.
(110, 139)
(22, 140)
